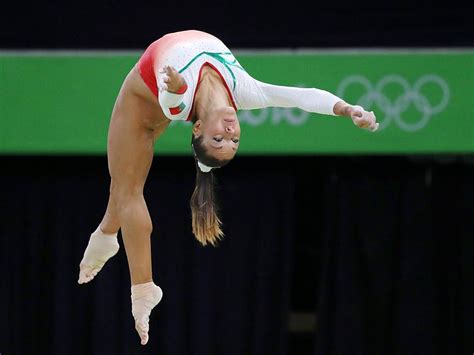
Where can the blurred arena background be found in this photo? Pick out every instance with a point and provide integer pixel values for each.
(338, 241)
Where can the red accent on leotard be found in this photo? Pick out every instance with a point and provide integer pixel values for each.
(146, 68)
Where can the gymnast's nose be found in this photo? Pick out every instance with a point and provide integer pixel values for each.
(229, 129)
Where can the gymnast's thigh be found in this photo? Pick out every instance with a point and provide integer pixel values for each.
(130, 139)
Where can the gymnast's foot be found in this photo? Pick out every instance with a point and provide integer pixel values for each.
(101, 248)
(144, 298)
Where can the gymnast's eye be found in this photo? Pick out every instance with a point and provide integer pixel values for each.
(217, 139)
(235, 140)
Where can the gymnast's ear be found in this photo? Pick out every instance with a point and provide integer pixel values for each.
(197, 128)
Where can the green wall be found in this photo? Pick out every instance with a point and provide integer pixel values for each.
(61, 103)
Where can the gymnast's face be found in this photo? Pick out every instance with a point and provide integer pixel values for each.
(221, 133)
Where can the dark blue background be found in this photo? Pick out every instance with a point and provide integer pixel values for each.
(245, 23)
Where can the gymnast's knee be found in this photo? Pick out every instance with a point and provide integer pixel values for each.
(125, 190)
(126, 195)
(130, 203)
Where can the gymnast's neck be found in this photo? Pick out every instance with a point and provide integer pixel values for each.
(211, 94)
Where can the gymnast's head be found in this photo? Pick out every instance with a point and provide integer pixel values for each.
(215, 140)
(216, 137)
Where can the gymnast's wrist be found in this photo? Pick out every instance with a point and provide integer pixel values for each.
(178, 89)
(342, 108)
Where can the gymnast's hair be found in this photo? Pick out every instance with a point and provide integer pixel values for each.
(204, 209)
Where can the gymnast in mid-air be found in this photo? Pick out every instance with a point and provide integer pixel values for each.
(192, 76)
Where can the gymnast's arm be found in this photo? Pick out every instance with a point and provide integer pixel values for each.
(254, 94)
(173, 89)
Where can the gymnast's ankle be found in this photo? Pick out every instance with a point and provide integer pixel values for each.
(101, 247)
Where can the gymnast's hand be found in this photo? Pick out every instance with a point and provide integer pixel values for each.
(170, 80)
(363, 118)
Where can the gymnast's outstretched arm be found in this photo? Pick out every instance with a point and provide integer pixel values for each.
(254, 94)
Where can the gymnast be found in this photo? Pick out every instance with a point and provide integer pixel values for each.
(192, 76)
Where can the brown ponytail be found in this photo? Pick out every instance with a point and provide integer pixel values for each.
(206, 222)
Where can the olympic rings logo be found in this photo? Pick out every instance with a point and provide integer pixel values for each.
(393, 110)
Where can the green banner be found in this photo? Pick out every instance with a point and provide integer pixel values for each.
(60, 103)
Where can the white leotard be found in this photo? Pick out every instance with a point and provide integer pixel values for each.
(189, 51)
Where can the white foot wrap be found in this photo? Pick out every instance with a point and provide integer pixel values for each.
(101, 248)
(144, 298)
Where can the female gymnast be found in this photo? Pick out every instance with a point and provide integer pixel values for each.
(189, 75)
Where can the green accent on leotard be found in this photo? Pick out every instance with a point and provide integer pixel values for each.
(219, 57)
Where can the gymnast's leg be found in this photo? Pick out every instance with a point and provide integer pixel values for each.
(130, 154)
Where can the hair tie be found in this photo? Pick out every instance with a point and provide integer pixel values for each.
(203, 167)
